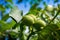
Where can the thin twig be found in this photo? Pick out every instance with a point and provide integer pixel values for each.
(54, 17)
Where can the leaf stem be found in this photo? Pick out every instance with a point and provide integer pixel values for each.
(54, 17)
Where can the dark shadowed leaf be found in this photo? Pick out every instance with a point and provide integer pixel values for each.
(10, 1)
(13, 34)
(47, 30)
(55, 1)
(5, 17)
(19, 1)
(2, 8)
(8, 6)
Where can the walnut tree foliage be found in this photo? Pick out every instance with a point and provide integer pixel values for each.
(42, 23)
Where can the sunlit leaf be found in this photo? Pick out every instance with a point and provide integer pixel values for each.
(58, 24)
(3, 26)
(34, 37)
(16, 14)
(12, 23)
(6, 26)
(15, 25)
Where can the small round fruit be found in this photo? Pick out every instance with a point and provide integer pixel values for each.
(28, 20)
(38, 24)
(49, 8)
(33, 16)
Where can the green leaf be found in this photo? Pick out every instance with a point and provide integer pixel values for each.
(16, 14)
(9, 1)
(47, 30)
(15, 25)
(2, 35)
(13, 34)
(21, 34)
(37, 1)
(55, 1)
(34, 10)
(44, 3)
(59, 6)
(56, 35)
(50, 37)
(34, 37)
(3, 26)
(9, 6)
(19, 1)
(12, 23)
(2, 8)
(58, 24)
(5, 17)
(6, 26)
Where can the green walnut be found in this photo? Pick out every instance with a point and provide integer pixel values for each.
(39, 23)
(28, 20)
(49, 8)
(33, 16)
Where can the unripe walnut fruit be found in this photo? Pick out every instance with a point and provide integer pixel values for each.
(49, 8)
(33, 16)
(28, 20)
(39, 23)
